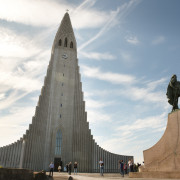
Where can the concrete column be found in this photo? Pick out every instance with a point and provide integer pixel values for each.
(106, 160)
(111, 161)
(19, 151)
(104, 157)
(30, 146)
(101, 153)
(1, 156)
(1, 153)
(8, 156)
(5, 154)
(1, 149)
(98, 148)
(22, 155)
(38, 138)
(26, 149)
(33, 144)
(11, 155)
(117, 158)
(15, 155)
(98, 157)
(94, 155)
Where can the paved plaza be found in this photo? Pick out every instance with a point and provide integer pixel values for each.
(95, 176)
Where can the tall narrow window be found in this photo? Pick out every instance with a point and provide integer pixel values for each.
(58, 142)
(60, 42)
(71, 44)
(65, 42)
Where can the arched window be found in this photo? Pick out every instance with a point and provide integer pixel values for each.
(71, 44)
(65, 42)
(60, 42)
(58, 143)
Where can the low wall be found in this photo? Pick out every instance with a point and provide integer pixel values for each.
(21, 174)
(15, 174)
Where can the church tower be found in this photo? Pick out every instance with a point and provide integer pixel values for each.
(59, 131)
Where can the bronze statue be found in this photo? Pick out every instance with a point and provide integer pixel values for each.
(173, 92)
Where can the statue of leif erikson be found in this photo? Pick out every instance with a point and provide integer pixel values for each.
(173, 92)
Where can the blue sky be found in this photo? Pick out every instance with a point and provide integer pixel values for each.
(127, 51)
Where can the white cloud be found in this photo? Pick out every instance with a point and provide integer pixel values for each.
(15, 124)
(159, 40)
(126, 57)
(154, 84)
(97, 104)
(2, 96)
(146, 95)
(96, 117)
(111, 20)
(14, 45)
(11, 99)
(95, 110)
(49, 13)
(141, 124)
(132, 40)
(97, 56)
(113, 78)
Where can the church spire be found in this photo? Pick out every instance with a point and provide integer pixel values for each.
(64, 32)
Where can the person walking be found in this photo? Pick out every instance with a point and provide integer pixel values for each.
(51, 166)
(75, 168)
(125, 168)
(59, 168)
(101, 163)
(130, 163)
(69, 168)
(121, 168)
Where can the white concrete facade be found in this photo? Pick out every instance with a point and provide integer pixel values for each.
(61, 108)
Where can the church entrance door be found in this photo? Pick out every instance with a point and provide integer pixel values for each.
(57, 162)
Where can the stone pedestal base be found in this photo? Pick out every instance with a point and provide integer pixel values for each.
(155, 174)
(165, 154)
(163, 159)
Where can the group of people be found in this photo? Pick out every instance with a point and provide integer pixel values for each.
(69, 168)
(129, 167)
(124, 168)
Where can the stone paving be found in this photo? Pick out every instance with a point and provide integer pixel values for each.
(96, 176)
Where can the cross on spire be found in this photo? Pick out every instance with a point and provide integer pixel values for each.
(67, 10)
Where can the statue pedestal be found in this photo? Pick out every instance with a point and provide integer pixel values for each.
(164, 157)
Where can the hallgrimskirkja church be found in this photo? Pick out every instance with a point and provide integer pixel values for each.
(59, 131)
